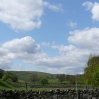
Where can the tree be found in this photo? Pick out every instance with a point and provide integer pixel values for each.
(91, 71)
(71, 79)
(8, 76)
(1, 73)
(61, 78)
(43, 81)
(34, 78)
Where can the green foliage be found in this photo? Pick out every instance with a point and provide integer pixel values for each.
(44, 81)
(4, 85)
(9, 77)
(95, 77)
(33, 78)
(71, 79)
(61, 77)
(1, 73)
(91, 71)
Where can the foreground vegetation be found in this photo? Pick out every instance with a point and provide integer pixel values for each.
(5, 85)
(36, 82)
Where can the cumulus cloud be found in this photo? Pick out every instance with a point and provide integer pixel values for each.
(72, 24)
(21, 15)
(72, 58)
(93, 7)
(24, 15)
(26, 44)
(24, 49)
(86, 39)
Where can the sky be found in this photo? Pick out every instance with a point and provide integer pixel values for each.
(52, 36)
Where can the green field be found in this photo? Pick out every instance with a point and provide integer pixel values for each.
(4, 85)
(23, 76)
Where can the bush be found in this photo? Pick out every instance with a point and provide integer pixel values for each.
(9, 77)
(44, 81)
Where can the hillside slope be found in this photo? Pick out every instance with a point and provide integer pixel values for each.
(24, 75)
(4, 85)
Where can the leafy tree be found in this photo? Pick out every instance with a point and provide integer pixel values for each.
(61, 78)
(71, 79)
(34, 78)
(43, 81)
(8, 76)
(91, 71)
(79, 79)
(1, 73)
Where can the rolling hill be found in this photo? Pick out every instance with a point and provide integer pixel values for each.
(24, 75)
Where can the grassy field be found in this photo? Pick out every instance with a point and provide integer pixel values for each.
(24, 75)
(4, 85)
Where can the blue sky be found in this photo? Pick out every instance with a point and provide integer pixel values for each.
(50, 36)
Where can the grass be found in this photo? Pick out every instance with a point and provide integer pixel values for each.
(24, 75)
(53, 80)
(4, 85)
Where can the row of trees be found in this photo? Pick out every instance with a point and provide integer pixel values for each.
(34, 78)
(62, 78)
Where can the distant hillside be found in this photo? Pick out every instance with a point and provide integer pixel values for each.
(24, 75)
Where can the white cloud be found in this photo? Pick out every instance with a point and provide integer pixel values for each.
(5, 62)
(53, 7)
(86, 39)
(45, 44)
(24, 49)
(72, 24)
(26, 44)
(71, 59)
(95, 12)
(23, 15)
(88, 5)
(93, 7)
